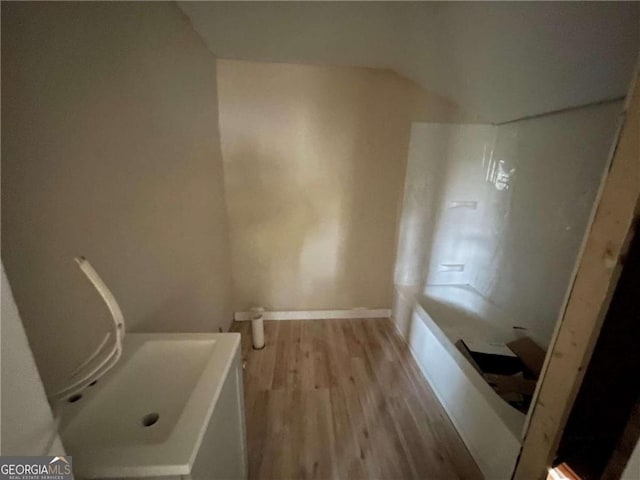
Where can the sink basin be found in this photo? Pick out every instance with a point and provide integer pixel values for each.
(148, 417)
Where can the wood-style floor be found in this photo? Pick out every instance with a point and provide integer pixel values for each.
(344, 399)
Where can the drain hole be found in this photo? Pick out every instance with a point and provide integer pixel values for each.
(74, 398)
(150, 419)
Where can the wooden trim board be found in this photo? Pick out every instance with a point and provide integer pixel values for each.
(596, 277)
(318, 314)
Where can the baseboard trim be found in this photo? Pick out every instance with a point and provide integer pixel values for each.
(318, 314)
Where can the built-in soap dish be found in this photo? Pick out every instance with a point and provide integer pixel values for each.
(451, 267)
(471, 205)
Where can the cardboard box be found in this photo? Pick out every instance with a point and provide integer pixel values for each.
(512, 370)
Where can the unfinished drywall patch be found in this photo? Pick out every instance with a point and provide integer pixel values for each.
(314, 166)
(110, 149)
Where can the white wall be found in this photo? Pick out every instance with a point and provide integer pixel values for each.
(314, 166)
(532, 184)
(27, 425)
(110, 149)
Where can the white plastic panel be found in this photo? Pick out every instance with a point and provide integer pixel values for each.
(457, 223)
(504, 209)
(535, 211)
(441, 193)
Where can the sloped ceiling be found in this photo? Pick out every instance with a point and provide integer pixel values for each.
(500, 60)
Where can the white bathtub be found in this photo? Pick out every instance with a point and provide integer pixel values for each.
(431, 323)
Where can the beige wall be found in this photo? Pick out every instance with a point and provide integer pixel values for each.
(314, 167)
(110, 149)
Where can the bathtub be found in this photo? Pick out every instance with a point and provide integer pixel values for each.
(431, 322)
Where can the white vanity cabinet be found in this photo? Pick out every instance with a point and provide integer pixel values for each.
(223, 451)
(172, 409)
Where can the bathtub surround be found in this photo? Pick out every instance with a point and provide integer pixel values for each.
(492, 223)
(504, 210)
(110, 149)
(314, 165)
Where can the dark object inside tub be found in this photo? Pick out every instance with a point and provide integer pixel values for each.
(511, 369)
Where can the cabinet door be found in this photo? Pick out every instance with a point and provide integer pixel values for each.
(223, 453)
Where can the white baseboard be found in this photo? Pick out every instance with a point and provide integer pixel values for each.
(318, 314)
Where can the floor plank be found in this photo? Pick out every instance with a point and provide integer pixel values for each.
(344, 399)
